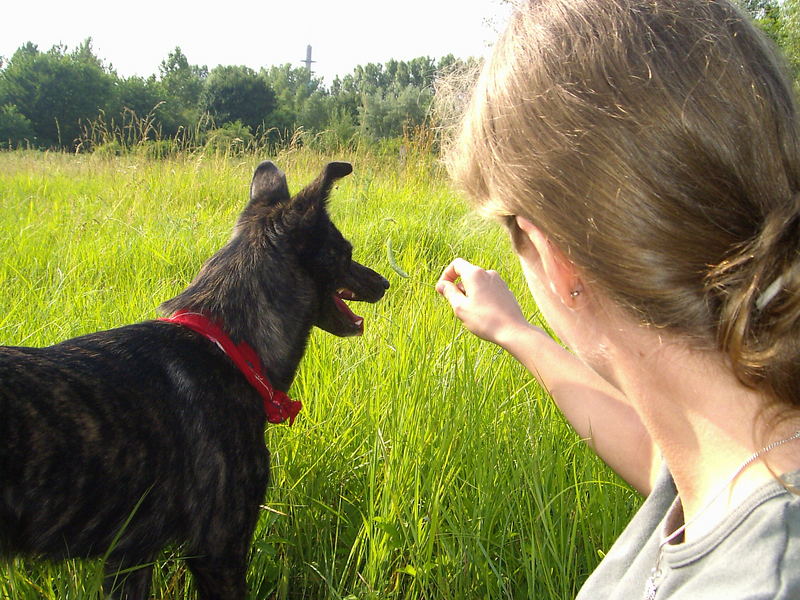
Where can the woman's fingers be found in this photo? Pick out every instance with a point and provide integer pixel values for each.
(479, 298)
(459, 268)
(453, 293)
(463, 278)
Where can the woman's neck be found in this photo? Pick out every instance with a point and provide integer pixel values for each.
(704, 422)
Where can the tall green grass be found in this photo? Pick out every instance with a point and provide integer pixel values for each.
(425, 464)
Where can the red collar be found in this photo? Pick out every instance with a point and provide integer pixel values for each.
(277, 405)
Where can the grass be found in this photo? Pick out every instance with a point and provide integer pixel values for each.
(425, 464)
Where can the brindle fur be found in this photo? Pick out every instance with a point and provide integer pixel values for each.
(128, 440)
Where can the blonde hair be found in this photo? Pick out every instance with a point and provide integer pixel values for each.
(656, 142)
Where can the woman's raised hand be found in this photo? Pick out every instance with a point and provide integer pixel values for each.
(482, 301)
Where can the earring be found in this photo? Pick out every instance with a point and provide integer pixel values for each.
(575, 293)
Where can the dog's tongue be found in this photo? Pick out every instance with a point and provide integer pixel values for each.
(345, 310)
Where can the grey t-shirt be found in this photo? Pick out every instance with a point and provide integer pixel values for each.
(753, 554)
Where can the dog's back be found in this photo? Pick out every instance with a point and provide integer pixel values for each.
(115, 440)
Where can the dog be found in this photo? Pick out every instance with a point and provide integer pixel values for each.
(119, 443)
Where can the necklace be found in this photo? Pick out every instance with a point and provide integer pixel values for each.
(653, 582)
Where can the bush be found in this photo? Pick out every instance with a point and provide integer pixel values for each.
(230, 139)
(237, 93)
(156, 150)
(109, 149)
(15, 128)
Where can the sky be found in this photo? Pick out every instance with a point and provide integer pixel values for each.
(134, 37)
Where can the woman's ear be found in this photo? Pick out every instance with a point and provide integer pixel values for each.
(562, 275)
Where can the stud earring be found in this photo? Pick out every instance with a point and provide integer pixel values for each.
(575, 293)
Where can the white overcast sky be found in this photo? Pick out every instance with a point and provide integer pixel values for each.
(136, 36)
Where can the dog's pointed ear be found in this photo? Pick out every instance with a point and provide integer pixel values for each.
(269, 185)
(318, 190)
(332, 172)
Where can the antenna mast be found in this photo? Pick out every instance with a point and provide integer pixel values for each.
(308, 62)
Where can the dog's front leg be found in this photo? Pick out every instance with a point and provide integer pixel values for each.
(220, 579)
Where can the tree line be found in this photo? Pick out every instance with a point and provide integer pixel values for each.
(73, 100)
(70, 99)
(780, 20)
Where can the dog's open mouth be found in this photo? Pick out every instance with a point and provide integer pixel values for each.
(360, 284)
(352, 318)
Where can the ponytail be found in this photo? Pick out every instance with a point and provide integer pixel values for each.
(758, 292)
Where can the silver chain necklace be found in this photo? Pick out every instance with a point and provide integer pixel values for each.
(653, 582)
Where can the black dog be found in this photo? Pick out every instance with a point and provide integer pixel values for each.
(121, 442)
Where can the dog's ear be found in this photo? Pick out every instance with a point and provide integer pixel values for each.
(306, 217)
(332, 172)
(318, 190)
(269, 185)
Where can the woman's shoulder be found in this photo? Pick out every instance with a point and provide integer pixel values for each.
(752, 554)
(771, 514)
(766, 544)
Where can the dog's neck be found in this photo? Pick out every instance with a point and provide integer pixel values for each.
(279, 341)
(272, 309)
(278, 407)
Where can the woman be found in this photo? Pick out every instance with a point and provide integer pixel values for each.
(645, 157)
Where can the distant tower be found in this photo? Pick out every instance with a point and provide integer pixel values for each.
(308, 60)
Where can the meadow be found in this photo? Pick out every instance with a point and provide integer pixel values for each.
(425, 464)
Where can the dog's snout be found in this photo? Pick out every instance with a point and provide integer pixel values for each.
(368, 284)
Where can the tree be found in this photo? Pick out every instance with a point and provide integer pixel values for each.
(181, 85)
(51, 97)
(182, 82)
(387, 113)
(56, 90)
(315, 112)
(15, 128)
(767, 15)
(139, 106)
(300, 99)
(138, 95)
(237, 93)
(789, 39)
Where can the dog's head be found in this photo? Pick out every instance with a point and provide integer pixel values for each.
(302, 225)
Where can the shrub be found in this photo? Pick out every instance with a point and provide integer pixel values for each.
(156, 150)
(15, 128)
(110, 148)
(231, 139)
